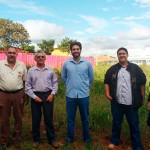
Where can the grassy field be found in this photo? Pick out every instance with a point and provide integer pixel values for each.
(100, 120)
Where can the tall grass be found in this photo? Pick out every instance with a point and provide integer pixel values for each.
(100, 117)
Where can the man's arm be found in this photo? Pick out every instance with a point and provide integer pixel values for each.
(54, 88)
(64, 73)
(91, 74)
(26, 98)
(107, 92)
(28, 87)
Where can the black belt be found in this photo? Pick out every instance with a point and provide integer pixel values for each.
(43, 92)
(10, 92)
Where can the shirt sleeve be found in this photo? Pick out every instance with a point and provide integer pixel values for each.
(54, 83)
(28, 86)
(91, 74)
(107, 77)
(141, 76)
(25, 73)
(64, 73)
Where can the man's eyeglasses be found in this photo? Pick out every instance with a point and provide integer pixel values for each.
(40, 56)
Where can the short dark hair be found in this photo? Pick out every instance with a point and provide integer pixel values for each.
(8, 47)
(122, 48)
(75, 43)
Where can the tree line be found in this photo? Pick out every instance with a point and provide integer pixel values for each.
(15, 34)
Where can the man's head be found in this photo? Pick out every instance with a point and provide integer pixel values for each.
(11, 53)
(40, 57)
(122, 54)
(75, 48)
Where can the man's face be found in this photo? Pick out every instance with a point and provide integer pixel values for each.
(40, 58)
(122, 56)
(11, 54)
(76, 51)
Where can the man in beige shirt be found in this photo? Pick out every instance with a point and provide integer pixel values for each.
(12, 77)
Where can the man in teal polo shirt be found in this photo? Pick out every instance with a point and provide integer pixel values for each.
(77, 74)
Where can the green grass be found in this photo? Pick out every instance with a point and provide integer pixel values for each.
(100, 118)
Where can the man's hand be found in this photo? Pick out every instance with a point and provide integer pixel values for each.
(26, 99)
(148, 105)
(38, 100)
(50, 97)
(107, 93)
(109, 97)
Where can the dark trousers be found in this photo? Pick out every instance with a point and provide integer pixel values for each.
(83, 105)
(36, 109)
(8, 101)
(118, 111)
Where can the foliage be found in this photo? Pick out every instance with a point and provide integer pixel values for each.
(47, 46)
(13, 33)
(64, 45)
(28, 48)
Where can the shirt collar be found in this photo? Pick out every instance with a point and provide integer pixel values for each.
(81, 60)
(45, 68)
(6, 62)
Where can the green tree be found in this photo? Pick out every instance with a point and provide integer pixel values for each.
(28, 48)
(47, 46)
(64, 45)
(13, 33)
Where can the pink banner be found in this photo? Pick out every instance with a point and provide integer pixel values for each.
(51, 60)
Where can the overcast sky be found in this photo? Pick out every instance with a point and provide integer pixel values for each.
(102, 26)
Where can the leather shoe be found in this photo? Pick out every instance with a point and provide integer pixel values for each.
(35, 144)
(54, 144)
(111, 146)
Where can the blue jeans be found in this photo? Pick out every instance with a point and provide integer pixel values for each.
(83, 105)
(36, 109)
(118, 111)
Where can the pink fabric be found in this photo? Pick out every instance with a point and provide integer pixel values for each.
(53, 61)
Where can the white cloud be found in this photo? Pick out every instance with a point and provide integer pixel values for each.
(145, 15)
(96, 24)
(130, 24)
(143, 3)
(105, 9)
(115, 18)
(28, 6)
(79, 33)
(136, 40)
(135, 34)
(39, 29)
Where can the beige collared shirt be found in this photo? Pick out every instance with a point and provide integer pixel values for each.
(12, 79)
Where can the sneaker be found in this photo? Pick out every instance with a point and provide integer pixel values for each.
(111, 146)
(54, 144)
(3, 147)
(35, 144)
